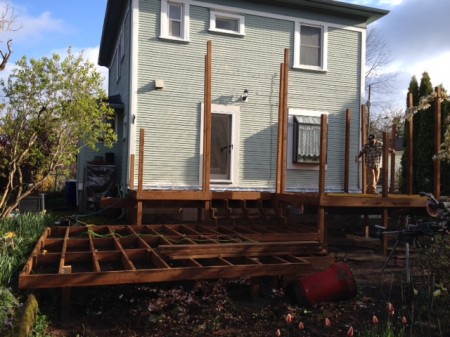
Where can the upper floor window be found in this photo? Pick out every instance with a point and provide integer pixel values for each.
(175, 20)
(310, 47)
(227, 23)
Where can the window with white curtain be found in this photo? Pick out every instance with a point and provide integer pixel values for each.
(306, 142)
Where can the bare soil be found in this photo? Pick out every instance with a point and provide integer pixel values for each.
(228, 308)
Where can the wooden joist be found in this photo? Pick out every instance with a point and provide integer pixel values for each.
(105, 255)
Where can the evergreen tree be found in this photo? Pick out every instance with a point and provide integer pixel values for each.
(414, 90)
(424, 141)
(445, 165)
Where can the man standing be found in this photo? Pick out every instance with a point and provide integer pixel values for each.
(373, 151)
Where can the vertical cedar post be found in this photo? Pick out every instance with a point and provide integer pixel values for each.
(393, 141)
(364, 135)
(65, 306)
(131, 181)
(285, 119)
(385, 219)
(280, 130)
(347, 150)
(323, 153)
(207, 131)
(385, 170)
(282, 125)
(410, 124)
(140, 177)
(323, 162)
(437, 142)
(131, 210)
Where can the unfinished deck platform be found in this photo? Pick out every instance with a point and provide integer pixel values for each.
(66, 257)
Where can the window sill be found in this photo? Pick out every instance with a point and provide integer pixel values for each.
(174, 39)
(310, 68)
(226, 32)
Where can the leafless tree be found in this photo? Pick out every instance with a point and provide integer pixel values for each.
(8, 23)
(378, 81)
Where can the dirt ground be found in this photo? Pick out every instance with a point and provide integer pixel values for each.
(227, 308)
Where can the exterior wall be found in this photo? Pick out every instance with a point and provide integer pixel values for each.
(120, 148)
(121, 86)
(172, 116)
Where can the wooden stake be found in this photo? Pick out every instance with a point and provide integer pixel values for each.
(207, 130)
(437, 143)
(364, 135)
(410, 125)
(393, 141)
(385, 170)
(348, 118)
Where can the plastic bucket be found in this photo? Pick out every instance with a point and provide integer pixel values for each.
(333, 284)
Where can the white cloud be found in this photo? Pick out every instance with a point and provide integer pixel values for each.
(32, 29)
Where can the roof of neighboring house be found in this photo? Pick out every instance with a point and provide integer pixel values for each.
(115, 9)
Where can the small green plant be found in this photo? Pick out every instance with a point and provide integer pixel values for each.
(8, 306)
(40, 327)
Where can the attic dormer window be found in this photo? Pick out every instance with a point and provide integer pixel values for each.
(227, 23)
(175, 20)
(310, 46)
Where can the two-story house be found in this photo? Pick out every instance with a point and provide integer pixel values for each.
(155, 53)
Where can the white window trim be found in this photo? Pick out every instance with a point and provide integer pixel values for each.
(234, 165)
(324, 46)
(300, 112)
(212, 23)
(164, 33)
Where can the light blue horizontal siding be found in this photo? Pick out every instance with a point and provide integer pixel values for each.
(171, 116)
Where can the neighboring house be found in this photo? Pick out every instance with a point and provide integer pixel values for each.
(155, 52)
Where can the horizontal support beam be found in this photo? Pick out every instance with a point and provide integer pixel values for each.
(37, 281)
(182, 251)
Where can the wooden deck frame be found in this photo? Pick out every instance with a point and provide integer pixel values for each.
(104, 255)
(173, 252)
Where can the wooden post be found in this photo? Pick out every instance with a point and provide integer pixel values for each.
(347, 150)
(322, 164)
(207, 130)
(131, 210)
(364, 135)
(285, 120)
(322, 227)
(280, 184)
(280, 130)
(65, 306)
(393, 141)
(323, 153)
(385, 169)
(410, 124)
(437, 142)
(131, 181)
(140, 177)
(385, 219)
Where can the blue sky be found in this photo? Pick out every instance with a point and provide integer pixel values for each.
(416, 31)
(51, 26)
